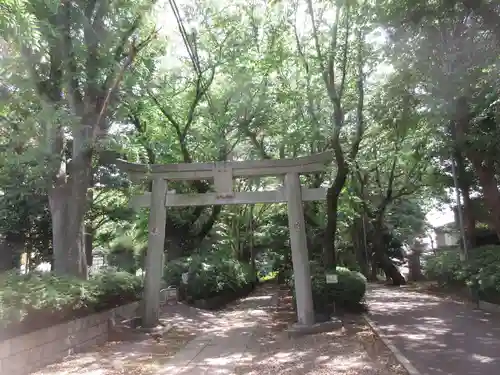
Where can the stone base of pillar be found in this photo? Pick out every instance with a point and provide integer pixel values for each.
(297, 330)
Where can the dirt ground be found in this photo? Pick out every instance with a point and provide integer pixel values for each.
(351, 350)
(137, 353)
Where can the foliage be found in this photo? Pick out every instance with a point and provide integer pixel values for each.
(125, 255)
(37, 300)
(237, 80)
(348, 293)
(444, 267)
(482, 270)
(208, 276)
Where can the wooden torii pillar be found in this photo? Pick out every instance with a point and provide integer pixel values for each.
(222, 174)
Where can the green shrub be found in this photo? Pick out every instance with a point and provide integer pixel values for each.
(174, 269)
(445, 267)
(347, 293)
(123, 254)
(481, 271)
(38, 300)
(208, 275)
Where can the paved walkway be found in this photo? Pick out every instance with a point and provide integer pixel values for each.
(222, 349)
(438, 336)
(249, 340)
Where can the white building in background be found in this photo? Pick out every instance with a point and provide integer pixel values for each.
(446, 235)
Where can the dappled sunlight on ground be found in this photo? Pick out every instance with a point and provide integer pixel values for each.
(137, 353)
(270, 351)
(325, 353)
(438, 335)
(248, 337)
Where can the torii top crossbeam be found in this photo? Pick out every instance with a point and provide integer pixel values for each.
(196, 171)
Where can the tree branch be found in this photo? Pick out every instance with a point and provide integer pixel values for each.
(201, 90)
(360, 129)
(345, 49)
(74, 96)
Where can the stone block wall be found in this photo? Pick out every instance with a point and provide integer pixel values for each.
(27, 353)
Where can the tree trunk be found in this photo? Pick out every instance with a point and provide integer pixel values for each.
(89, 240)
(357, 237)
(390, 269)
(67, 231)
(9, 255)
(468, 213)
(332, 203)
(415, 269)
(374, 269)
(380, 255)
(489, 183)
(483, 166)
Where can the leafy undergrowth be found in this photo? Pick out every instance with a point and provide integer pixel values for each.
(481, 271)
(39, 300)
(208, 276)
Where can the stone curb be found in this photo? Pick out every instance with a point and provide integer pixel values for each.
(400, 357)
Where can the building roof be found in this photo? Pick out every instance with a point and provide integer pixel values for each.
(446, 228)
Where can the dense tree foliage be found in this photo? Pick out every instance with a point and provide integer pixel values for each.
(395, 90)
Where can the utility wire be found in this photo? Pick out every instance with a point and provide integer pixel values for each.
(193, 54)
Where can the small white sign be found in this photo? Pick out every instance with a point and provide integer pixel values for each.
(332, 278)
(185, 278)
(171, 293)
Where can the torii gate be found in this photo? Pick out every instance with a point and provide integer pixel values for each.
(222, 174)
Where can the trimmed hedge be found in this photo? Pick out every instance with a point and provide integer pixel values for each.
(482, 270)
(39, 300)
(347, 294)
(209, 276)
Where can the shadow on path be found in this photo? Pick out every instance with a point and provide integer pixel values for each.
(437, 335)
(249, 339)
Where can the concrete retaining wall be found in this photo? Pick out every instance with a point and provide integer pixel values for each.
(24, 354)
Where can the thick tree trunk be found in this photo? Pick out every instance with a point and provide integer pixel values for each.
(414, 266)
(89, 240)
(489, 183)
(390, 269)
(380, 255)
(468, 214)
(332, 203)
(67, 236)
(357, 237)
(10, 255)
(374, 269)
(68, 204)
(483, 166)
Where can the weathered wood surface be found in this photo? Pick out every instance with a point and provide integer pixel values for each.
(197, 171)
(154, 255)
(244, 197)
(300, 253)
